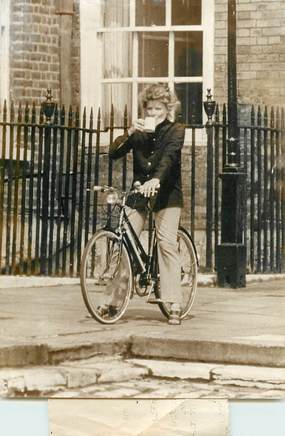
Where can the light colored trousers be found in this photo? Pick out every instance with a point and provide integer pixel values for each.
(166, 224)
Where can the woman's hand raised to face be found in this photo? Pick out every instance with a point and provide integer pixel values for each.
(137, 125)
(150, 188)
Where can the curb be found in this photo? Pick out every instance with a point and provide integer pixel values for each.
(35, 281)
(149, 347)
(206, 351)
(204, 280)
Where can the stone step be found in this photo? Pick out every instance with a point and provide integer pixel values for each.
(107, 374)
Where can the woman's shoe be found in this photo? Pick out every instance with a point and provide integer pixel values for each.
(175, 314)
(107, 310)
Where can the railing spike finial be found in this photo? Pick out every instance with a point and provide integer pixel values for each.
(84, 116)
(126, 117)
(272, 118)
(265, 116)
(77, 116)
(27, 112)
(217, 110)
(33, 113)
(5, 111)
(20, 112)
(112, 116)
(12, 111)
(91, 119)
(70, 116)
(56, 111)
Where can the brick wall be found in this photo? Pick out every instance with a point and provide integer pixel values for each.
(260, 51)
(34, 60)
(35, 51)
(75, 60)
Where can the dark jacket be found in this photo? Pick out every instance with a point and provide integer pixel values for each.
(155, 155)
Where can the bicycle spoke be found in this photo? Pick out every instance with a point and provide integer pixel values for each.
(106, 278)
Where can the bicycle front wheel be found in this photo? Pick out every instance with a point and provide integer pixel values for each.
(189, 273)
(106, 277)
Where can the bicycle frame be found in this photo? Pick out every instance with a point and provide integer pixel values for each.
(141, 260)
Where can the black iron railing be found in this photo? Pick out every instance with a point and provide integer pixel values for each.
(262, 157)
(48, 166)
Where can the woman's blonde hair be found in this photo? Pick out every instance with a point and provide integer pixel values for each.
(161, 93)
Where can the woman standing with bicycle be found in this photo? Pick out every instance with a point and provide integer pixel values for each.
(157, 166)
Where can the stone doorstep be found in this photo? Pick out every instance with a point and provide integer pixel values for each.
(253, 373)
(104, 371)
(68, 375)
(242, 375)
(180, 370)
(239, 375)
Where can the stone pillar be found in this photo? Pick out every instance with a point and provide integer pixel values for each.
(65, 11)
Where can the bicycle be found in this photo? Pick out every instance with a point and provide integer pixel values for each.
(115, 266)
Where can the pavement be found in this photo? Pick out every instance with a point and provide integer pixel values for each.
(46, 328)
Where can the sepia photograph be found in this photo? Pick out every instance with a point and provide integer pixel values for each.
(142, 202)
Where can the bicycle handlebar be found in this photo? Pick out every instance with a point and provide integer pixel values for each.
(111, 189)
(106, 188)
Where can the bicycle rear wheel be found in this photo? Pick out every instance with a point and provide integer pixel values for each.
(106, 277)
(189, 272)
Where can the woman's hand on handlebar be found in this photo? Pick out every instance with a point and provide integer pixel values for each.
(150, 188)
(137, 125)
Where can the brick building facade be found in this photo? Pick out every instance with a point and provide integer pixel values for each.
(38, 33)
(260, 51)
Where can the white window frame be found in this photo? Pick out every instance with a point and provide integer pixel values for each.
(91, 42)
(4, 51)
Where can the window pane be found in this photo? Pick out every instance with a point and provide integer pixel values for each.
(150, 12)
(186, 12)
(116, 13)
(190, 96)
(188, 54)
(118, 55)
(118, 94)
(153, 54)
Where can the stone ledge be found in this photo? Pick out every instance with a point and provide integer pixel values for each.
(253, 374)
(180, 370)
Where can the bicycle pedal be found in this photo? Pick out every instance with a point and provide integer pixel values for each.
(154, 300)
